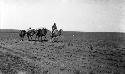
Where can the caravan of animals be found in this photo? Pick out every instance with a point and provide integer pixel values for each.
(61, 52)
(40, 33)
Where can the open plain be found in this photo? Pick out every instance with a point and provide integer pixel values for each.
(83, 53)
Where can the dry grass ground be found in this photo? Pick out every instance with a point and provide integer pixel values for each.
(83, 54)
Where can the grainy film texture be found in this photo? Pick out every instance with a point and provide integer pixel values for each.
(62, 37)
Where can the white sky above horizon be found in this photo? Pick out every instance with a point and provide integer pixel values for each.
(70, 15)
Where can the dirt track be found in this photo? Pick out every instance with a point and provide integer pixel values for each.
(71, 57)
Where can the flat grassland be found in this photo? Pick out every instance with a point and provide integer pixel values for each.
(83, 53)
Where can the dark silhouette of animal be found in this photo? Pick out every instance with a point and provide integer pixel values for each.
(22, 33)
(56, 33)
(41, 33)
(30, 34)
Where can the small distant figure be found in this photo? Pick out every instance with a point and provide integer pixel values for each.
(54, 27)
(29, 29)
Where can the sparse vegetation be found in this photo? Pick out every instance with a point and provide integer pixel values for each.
(81, 55)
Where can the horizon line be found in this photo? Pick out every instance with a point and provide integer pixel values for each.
(75, 31)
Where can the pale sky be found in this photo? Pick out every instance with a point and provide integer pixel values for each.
(70, 15)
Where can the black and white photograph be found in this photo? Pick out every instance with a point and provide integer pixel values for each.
(62, 36)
